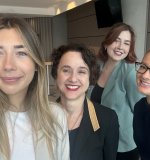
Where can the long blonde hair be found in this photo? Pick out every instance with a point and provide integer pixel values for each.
(36, 99)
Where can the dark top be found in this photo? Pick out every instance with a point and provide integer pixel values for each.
(141, 126)
(72, 138)
(101, 144)
(97, 94)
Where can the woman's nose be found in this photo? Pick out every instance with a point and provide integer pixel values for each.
(73, 77)
(9, 63)
(119, 45)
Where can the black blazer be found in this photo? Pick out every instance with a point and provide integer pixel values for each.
(101, 144)
(141, 128)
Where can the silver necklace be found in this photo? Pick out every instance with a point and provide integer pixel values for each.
(74, 124)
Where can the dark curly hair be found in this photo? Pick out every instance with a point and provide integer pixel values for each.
(87, 54)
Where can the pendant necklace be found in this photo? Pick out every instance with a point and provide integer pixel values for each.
(74, 124)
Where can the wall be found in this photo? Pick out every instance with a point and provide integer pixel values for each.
(135, 14)
(42, 26)
(148, 29)
(59, 30)
(51, 31)
(82, 26)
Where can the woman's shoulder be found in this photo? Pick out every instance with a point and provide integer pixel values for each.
(102, 108)
(141, 106)
(127, 71)
(59, 119)
(56, 108)
(106, 116)
(105, 112)
(127, 66)
(58, 112)
(141, 101)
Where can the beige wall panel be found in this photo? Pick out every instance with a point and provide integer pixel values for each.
(148, 29)
(81, 11)
(85, 27)
(148, 42)
(92, 42)
(42, 26)
(148, 24)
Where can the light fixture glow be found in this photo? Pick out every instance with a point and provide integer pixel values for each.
(58, 11)
(71, 5)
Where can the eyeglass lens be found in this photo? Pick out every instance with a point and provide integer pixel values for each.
(141, 68)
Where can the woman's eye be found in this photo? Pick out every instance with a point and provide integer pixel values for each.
(65, 70)
(82, 72)
(22, 54)
(142, 67)
(127, 44)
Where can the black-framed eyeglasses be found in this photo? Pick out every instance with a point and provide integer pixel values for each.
(141, 68)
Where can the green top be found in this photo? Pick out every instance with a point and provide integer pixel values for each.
(121, 94)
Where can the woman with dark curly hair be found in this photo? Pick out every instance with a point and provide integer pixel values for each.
(93, 129)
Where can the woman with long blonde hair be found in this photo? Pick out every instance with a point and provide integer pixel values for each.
(30, 126)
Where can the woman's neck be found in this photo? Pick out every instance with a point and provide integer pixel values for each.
(74, 110)
(110, 64)
(106, 71)
(72, 106)
(17, 103)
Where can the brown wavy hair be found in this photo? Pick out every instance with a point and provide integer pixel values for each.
(112, 35)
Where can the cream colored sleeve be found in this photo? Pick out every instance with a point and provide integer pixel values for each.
(65, 141)
(62, 148)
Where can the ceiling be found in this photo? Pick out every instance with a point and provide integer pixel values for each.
(38, 7)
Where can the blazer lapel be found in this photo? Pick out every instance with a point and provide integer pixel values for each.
(85, 130)
(111, 81)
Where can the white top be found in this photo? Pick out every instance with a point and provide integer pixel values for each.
(21, 142)
(20, 136)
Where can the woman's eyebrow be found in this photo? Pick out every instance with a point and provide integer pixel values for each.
(19, 46)
(16, 46)
(86, 68)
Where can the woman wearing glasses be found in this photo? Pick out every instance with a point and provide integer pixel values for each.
(141, 120)
(116, 87)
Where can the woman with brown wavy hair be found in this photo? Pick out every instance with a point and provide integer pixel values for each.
(116, 85)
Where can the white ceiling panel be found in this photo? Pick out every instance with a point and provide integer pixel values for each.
(36, 7)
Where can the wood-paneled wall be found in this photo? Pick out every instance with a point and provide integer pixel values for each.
(82, 26)
(42, 26)
(148, 29)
